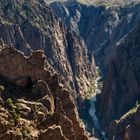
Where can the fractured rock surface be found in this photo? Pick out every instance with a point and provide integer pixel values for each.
(28, 102)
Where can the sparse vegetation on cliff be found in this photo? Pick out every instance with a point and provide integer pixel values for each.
(45, 104)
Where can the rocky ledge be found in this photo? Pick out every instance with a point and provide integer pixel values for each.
(127, 127)
(34, 105)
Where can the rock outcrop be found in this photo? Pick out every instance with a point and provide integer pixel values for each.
(31, 25)
(34, 104)
(127, 127)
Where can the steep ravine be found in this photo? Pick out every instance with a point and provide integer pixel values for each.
(32, 25)
(100, 26)
(96, 129)
(62, 62)
(48, 73)
(92, 109)
(111, 33)
(88, 112)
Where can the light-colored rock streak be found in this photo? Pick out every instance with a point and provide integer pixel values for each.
(92, 111)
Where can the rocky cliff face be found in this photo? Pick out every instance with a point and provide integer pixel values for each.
(100, 26)
(57, 64)
(121, 87)
(34, 103)
(112, 34)
(127, 127)
(41, 82)
(31, 25)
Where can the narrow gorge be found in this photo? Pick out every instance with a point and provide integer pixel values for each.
(69, 70)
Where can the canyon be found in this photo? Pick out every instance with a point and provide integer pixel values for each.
(69, 70)
(104, 32)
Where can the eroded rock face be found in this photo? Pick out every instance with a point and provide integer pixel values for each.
(101, 27)
(31, 25)
(105, 30)
(34, 104)
(23, 70)
(121, 88)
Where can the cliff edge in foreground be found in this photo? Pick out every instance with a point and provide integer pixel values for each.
(33, 103)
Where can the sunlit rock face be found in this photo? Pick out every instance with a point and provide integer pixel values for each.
(34, 103)
(42, 59)
(31, 25)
